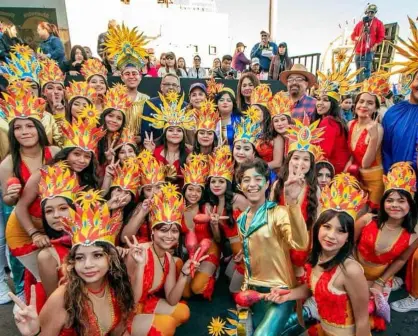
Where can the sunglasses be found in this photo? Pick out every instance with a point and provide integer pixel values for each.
(169, 57)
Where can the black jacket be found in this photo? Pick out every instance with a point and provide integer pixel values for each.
(6, 43)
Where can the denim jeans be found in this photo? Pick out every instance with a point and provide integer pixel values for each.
(364, 61)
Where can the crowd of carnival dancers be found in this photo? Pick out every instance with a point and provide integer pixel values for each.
(118, 207)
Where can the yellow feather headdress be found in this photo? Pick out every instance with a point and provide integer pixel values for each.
(401, 176)
(409, 50)
(261, 95)
(338, 81)
(343, 195)
(93, 67)
(304, 136)
(19, 88)
(280, 104)
(207, 116)
(249, 129)
(23, 106)
(117, 98)
(92, 220)
(152, 171)
(167, 206)
(213, 88)
(171, 113)
(127, 176)
(196, 171)
(58, 181)
(51, 73)
(127, 137)
(22, 65)
(221, 163)
(90, 113)
(126, 46)
(80, 90)
(377, 84)
(82, 133)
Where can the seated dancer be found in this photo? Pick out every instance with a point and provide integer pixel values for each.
(96, 297)
(196, 227)
(58, 188)
(334, 278)
(383, 239)
(224, 207)
(153, 272)
(265, 227)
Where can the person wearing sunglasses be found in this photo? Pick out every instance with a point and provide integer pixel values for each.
(197, 71)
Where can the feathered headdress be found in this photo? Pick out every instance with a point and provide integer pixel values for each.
(23, 106)
(117, 98)
(343, 195)
(51, 72)
(126, 46)
(80, 90)
(377, 84)
(401, 176)
(249, 129)
(196, 171)
(127, 137)
(206, 117)
(93, 67)
(22, 65)
(90, 113)
(409, 50)
(167, 206)
(127, 176)
(338, 81)
(58, 181)
(18, 89)
(92, 220)
(261, 95)
(213, 88)
(82, 133)
(319, 156)
(221, 163)
(171, 113)
(303, 136)
(152, 171)
(280, 104)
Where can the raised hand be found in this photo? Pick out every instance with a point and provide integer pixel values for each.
(215, 217)
(110, 168)
(110, 153)
(136, 251)
(294, 184)
(123, 252)
(26, 318)
(118, 201)
(149, 142)
(193, 263)
(146, 206)
(373, 128)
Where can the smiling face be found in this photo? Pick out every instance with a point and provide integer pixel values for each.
(366, 106)
(98, 83)
(396, 205)
(91, 263)
(242, 151)
(126, 152)
(323, 105)
(300, 158)
(167, 236)
(247, 87)
(218, 186)
(114, 121)
(118, 192)
(254, 186)
(193, 194)
(280, 124)
(297, 85)
(55, 209)
(169, 84)
(131, 77)
(25, 132)
(196, 97)
(205, 138)
(331, 236)
(225, 104)
(151, 190)
(77, 106)
(54, 92)
(78, 159)
(174, 135)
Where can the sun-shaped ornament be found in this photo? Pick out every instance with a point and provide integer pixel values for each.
(90, 113)
(216, 327)
(88, 198)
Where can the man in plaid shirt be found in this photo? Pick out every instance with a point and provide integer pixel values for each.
(298, 80)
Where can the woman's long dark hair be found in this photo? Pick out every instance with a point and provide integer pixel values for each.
(50, 232)
(267, 134)
(409, 221)
(135, 148)
(68, 115)
(202, 198)
(240, 98)
(335, 113)
(178, 250)
(196, 146)
(229, 199)
(15, 146)
(182, 146)
(376, 100)
(88, 176)
(274, 132)
(76, 298)
(327, 165)
(347, 225)
(310, 179)
(103, 143)
(74, 50)
(235, 110)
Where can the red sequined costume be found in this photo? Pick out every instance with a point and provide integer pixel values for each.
(176, 164)
(265, 149)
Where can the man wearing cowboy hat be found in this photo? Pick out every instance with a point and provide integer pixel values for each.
(298, 79)
(367, 35)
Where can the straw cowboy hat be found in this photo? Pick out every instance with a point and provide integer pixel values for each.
(298, 69)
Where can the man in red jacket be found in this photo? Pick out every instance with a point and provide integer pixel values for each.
(367, 35)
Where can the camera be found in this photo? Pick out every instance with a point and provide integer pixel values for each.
(231, 73)
(367, 19)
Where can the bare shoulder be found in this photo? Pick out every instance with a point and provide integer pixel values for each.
(352, 269)
(240, 202)
(56, 300)
(7, 164)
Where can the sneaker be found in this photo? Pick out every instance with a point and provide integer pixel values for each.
(4, 291)
(21, 296)
(310, 305)
(397, 283)
(405, 305)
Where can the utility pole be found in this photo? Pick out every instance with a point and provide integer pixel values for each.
(273, 18)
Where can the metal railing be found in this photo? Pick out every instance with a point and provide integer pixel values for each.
(310, 61)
